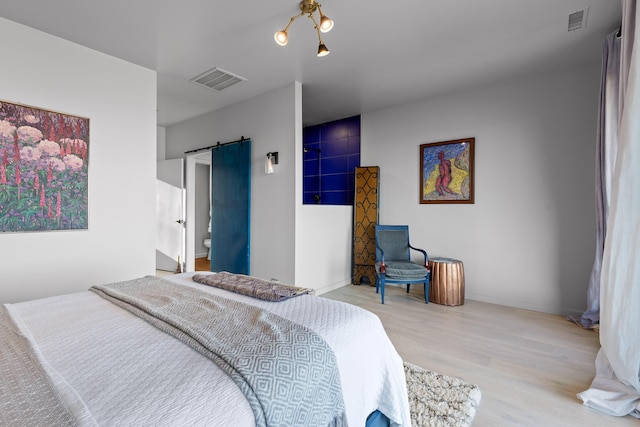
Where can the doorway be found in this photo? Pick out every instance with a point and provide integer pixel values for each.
(203, 214)
(198, 192)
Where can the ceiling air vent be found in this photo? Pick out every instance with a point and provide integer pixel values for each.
(217, 79)
(578, 20)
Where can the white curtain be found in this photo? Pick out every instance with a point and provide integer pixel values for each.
(616, 388)
(606, 149)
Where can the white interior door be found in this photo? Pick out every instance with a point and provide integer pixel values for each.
(170, 214)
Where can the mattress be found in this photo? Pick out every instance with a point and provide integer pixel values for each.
(115, 369)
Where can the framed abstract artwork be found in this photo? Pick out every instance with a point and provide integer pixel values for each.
(44, 167)
(446, 171)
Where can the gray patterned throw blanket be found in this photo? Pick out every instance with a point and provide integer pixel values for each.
(27, 394)
(251, 286)
(287, 372)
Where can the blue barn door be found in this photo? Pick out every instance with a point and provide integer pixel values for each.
(230, 197)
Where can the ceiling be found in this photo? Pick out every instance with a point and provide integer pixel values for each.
(382, 54)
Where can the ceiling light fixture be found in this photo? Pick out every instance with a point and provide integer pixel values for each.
(308, 7)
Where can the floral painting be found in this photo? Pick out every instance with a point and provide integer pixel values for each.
(44, 164)
(446, 171)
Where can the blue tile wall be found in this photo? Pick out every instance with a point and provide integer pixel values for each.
(328, 179)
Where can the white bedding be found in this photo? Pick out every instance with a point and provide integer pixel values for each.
(116, 369)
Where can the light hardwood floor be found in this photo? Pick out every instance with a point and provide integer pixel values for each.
(528, 365)
(202, 264)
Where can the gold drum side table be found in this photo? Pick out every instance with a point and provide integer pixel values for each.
(447, 281)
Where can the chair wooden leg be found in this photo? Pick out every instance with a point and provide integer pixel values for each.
(382, 279)
(426, 290)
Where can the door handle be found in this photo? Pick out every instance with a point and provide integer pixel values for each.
(180, 221)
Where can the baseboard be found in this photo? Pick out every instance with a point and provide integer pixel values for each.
(202, 255)
(332, 287)
(557, 310)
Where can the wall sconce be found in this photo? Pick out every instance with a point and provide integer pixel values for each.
(270, 161)
(308, 7)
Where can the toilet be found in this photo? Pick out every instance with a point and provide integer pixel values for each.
(207, 244)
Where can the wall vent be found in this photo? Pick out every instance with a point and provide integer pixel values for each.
(578, 20)
(217, 79)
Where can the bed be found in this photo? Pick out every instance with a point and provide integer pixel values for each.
(110, 367)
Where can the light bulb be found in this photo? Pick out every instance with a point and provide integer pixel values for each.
(281, 38)
(268, 165)
(326, 24)
(322, 50)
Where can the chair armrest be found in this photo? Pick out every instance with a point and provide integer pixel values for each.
(424, 253)
(381, 252)
(383, 266)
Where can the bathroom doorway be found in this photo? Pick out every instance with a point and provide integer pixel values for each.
(203, 215)
(198, 186)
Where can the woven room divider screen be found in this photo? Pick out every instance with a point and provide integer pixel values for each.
(365, 218)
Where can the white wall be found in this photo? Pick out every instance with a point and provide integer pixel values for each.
(120, 100)
(323, 237)
(269, 120)
(529, 239)
(161, 142)
(323, 246)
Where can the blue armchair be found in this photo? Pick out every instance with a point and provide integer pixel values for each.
(393, 260)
